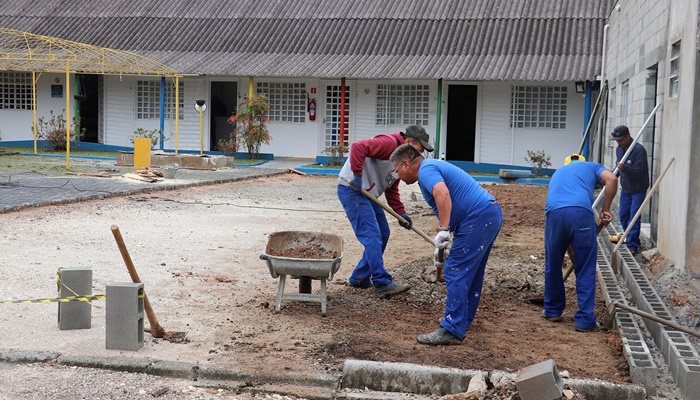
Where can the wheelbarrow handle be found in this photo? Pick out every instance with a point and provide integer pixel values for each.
(397, 216)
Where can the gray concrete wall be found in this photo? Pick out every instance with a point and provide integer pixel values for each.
(678, 222)
(639, 40)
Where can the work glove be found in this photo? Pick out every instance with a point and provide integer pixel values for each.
(442, 239)
(436, 256)
(436, 262)
(408, 224)
(357, 183)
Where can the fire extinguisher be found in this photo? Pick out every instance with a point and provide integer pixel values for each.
(312, 110)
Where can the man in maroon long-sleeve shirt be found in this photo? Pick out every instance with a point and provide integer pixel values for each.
(368, 167)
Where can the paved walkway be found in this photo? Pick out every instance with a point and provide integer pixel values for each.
(43, 181)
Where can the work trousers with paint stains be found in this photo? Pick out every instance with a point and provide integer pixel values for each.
(372, 230)
(575, 226)
(465, 266)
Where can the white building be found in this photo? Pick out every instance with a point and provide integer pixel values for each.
(490, 80)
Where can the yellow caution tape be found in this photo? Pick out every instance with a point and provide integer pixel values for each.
(67, 299)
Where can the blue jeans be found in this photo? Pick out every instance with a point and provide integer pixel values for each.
(629, 205)
(465, 266)
(372, 230)
(575, 226)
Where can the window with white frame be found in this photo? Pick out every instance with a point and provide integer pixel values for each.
(287, 101)
(402, 104)
(148, 100)
(538, 107)
(673, 76)
(16, 91)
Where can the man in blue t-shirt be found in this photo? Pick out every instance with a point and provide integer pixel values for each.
(634, 179)
(570, 220)
(473, 216)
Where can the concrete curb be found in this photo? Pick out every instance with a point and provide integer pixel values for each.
(384, 380)
(385, 377)
(317, 386)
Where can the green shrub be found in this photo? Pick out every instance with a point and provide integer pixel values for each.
(53, 131)
(153, 134)
(336, 154)
(539, 160)
(250, 125)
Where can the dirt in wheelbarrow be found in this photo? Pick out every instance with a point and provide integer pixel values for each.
(197, 250)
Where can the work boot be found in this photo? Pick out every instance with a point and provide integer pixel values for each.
(366, 284)
(558, 318)
(595, 328)
(441, 337)
(390, 289)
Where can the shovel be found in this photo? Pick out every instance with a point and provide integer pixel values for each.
(441, 253)
(156, 330)
(609, 318)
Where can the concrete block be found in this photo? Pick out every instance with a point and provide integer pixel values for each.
(124, 316)
(539, 382)
(74, 314)
(688, 378)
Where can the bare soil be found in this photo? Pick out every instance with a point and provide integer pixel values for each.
(197, 251)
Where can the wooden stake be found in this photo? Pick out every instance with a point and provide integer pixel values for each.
(157, 331)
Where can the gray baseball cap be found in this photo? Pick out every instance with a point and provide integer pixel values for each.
(418, 132)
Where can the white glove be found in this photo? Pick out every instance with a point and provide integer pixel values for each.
(436, 263)
(442, 239)
(436, 256)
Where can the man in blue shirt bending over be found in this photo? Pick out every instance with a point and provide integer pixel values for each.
(570, 220)
(472, 214)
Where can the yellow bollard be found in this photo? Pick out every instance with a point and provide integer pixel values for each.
(142, 153)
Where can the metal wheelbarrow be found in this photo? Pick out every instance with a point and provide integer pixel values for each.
(304, 269)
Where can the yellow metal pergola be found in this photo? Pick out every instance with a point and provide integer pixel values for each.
(27, 52)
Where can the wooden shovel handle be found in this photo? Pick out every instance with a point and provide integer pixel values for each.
(156, 330)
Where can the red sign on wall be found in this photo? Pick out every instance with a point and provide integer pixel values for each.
(313, 90)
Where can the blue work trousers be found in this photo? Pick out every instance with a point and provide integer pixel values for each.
(575, 226)
(465, 266)
(372, 230)
(629, 205)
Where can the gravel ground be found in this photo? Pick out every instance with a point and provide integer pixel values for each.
(56, 382)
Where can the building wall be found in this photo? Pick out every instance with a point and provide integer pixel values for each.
(17, 124)
(636, 53)
(496, 141)
(501, 144)
(641, 35)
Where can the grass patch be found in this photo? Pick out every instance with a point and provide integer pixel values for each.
(73, 152)
(322, 166)
(248, 161)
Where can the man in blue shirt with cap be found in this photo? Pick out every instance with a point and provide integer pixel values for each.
(634, 179)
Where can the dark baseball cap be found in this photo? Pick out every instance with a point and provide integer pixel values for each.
(619, 133)
(418, 132)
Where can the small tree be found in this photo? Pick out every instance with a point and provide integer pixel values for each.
(538, 160)
(250, 124)
(153, 134)
(53, 130)
(336, 154)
